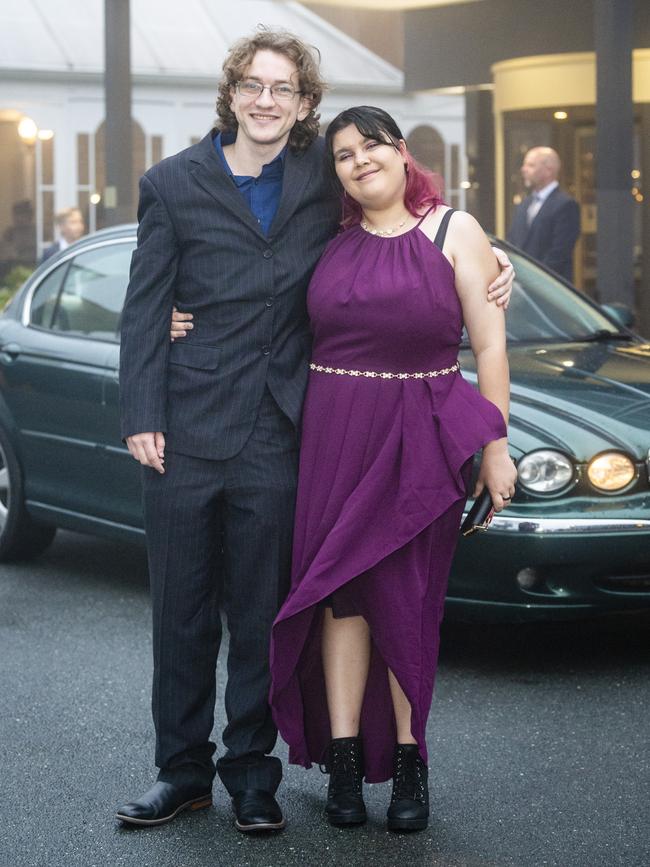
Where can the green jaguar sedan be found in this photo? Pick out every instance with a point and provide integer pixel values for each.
(575, 541)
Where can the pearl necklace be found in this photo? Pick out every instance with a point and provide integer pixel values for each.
(383, 232)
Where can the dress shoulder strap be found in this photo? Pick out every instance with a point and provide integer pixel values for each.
(441, 234)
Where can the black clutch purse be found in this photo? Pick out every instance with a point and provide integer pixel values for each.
(480, 515)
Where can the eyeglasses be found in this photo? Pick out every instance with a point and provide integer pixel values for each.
(254, 89)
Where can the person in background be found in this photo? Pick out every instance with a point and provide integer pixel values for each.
(70, 227)
(546, 225)
(18, 246)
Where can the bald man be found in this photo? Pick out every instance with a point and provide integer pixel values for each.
(546, 224)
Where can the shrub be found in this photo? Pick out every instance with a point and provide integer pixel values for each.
(12, 282)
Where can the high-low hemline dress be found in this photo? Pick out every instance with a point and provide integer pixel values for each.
(384, 469)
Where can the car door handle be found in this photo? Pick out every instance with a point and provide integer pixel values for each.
(9, 352)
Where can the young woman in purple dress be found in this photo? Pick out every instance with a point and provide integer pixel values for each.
(389, 431)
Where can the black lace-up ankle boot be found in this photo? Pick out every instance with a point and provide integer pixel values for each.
(344, 796)
(409, 804)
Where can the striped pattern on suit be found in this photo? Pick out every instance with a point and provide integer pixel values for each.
(228, 398)
(200, 246)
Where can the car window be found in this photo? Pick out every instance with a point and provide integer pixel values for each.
(46, 296)
(91, 298)
(543, 308)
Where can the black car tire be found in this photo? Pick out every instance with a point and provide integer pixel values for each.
(21, 537)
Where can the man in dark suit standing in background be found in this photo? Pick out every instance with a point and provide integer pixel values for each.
(230, 231)
(546, 225)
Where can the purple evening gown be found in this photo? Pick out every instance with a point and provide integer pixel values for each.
(383, 479)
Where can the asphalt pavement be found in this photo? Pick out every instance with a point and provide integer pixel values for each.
(539, 740)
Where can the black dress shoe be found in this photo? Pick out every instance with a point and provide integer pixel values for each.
(257, 810)
(409, 804)
(163, 802)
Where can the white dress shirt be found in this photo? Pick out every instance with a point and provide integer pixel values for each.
(539, 197)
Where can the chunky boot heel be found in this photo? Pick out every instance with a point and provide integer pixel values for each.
(409, 804)
(344, 795)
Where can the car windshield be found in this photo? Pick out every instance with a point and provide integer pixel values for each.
(544, 309)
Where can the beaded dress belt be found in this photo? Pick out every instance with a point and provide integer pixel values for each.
(374, 374)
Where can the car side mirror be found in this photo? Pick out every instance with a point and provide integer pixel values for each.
(620, 313)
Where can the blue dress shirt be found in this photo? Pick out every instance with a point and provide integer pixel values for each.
(262, 194)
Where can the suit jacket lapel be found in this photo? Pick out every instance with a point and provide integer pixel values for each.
(530, 227)
(544, 208)
(211, 175)
(520, 223)
(297, 171)
(526, 227)
(546, 203)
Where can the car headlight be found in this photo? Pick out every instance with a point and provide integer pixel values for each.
(611, 471)
(545, 471)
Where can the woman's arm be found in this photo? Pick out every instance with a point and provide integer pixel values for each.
(499, 290)
(475, 267)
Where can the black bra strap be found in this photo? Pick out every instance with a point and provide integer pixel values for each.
(441, 234)
(425, 215)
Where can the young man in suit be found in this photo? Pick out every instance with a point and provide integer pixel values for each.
(547, 223)
(230, 231)
(70, 227)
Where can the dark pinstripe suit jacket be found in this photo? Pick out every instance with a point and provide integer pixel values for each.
(553, 233)
(200, 246)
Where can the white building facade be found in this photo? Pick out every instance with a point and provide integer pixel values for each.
(52, 100)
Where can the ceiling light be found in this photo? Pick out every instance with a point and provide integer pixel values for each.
(27, 129)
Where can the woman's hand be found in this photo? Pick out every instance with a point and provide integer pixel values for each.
(180, 324)
(500, 289)
(498, 474)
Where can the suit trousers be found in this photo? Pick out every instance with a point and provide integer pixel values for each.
(219, 537)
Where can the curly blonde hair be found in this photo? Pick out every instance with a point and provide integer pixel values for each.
(305, 57)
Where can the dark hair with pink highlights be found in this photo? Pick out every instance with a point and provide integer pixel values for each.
(423, 187)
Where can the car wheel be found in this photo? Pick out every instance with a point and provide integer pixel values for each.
(21, 537)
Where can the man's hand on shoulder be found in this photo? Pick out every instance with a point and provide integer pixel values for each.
(148, 449)
(501, 289)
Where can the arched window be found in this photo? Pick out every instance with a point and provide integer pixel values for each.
(27, 184)
(139, 155)
(91, 168)
(428, 147)
(139, 165)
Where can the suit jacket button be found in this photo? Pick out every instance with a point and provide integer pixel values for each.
(269, 302)
(267, 254)
(266, 350)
